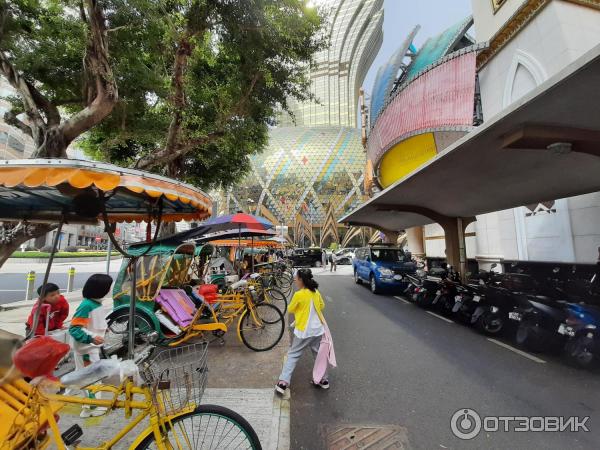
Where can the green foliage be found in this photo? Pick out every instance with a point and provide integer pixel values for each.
(242, 61)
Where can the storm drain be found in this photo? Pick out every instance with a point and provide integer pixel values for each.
(373, 437)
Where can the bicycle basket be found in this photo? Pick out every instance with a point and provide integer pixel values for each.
(178, 377)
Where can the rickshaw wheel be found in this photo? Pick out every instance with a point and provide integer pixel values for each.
(116, 336)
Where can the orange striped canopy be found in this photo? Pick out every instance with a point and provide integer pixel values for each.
(46, 190)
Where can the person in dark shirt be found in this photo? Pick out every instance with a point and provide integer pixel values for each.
(55, 310)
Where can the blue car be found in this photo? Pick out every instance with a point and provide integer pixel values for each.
(383, 267)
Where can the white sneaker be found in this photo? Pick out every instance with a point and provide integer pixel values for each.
(95, 412)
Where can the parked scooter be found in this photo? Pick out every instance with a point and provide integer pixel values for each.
(430, 290)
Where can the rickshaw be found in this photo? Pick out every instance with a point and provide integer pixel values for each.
(81, 192)
(171, 311)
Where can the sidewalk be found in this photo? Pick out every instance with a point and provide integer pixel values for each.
(239, 379)
(14, 315)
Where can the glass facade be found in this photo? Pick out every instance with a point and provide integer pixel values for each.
(318, 160)
(339, 71)
(304, 170)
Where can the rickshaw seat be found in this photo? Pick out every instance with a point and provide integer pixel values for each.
(199, 300)
(177, 305)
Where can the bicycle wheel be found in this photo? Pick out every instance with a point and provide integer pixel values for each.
(262, 330)
(278, 298)
(116, 337)
(284, 284)
(207, 427)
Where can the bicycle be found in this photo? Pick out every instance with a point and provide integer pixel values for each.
(263, 285)
(173, 384)
(260, 325)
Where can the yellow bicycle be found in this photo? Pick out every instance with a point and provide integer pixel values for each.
(169, 397)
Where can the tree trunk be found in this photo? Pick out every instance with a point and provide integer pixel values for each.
(12, 238)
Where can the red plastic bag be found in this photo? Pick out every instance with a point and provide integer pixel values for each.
(39, 356)
(211, 298)
(205, 289)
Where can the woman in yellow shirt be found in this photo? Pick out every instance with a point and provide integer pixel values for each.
(306, 306)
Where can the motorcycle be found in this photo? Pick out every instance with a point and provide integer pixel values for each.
(430, 290)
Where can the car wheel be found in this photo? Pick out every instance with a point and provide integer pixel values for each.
(579, 350)
(529, 335)
(374, 288)
(357, 279)
(490, 324)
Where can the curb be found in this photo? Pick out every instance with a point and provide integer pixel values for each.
(74, 295)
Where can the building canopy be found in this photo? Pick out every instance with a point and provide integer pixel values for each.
(544, 147)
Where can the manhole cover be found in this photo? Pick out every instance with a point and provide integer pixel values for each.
(373, 437)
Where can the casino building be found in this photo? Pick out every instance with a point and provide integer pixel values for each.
(486, 151)
(313, 168)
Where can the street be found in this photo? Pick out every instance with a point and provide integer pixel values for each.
(13, 276)
(399, 365)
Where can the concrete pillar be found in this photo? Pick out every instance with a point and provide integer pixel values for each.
(454, 234)
(416, 244)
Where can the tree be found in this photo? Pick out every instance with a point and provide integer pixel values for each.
(184, 88)
(31, 29)
(228, 67)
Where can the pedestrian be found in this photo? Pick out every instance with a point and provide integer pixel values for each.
(333, 262)
(55, 310)
(309, 327)
(88, 327)
(324, 258)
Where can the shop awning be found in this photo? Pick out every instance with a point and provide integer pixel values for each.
(518, 157)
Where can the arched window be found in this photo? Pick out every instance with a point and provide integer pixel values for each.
(524, 74)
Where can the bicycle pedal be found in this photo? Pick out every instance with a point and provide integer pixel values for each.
(72, 435)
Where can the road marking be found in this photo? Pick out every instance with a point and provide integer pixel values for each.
(402, 299)
(440, 317)
(516, 350)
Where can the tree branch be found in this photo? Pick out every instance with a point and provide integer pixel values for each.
(51, 111)
(11, 119)
(166, 156)
(24, 89)
(103, 92)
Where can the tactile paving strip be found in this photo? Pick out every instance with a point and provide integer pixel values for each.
(372, 437)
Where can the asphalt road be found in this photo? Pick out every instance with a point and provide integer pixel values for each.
(12, 285)
(399, 365)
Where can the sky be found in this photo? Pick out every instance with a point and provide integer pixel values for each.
(401, 16)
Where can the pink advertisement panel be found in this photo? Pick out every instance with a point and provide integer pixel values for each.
(441, 97)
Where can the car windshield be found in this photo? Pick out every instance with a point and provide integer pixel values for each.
(387, 255)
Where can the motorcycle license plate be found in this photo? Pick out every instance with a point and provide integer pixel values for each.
(458, 298)
(397, 277)
(565, 330)
(515, 316)
(476, 298)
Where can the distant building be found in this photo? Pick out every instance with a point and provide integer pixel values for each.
(318, 162)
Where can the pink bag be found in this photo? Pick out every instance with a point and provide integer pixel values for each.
(177, 305)
(326, 354)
